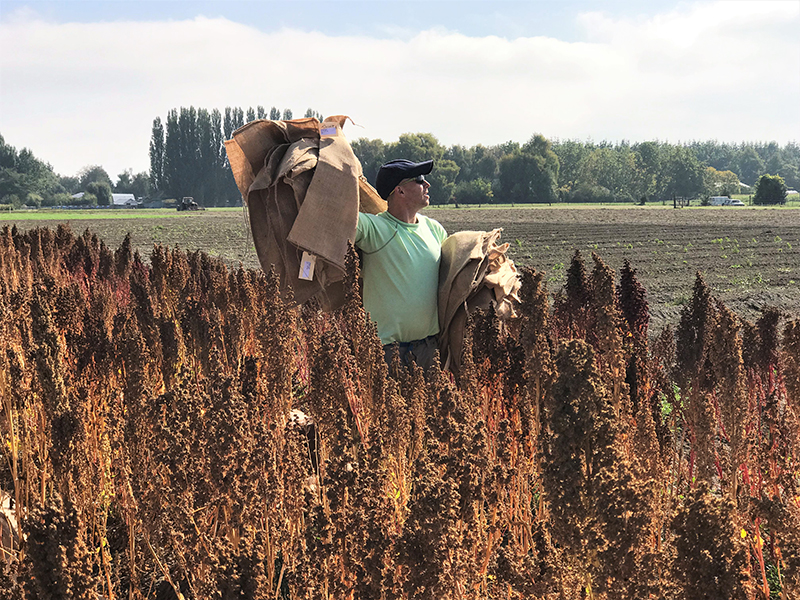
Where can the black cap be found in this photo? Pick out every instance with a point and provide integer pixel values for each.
(393, 172)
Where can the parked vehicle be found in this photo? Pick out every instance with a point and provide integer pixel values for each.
(723, 201)
(188, 203)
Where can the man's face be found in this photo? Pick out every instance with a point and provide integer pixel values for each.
(415, 192)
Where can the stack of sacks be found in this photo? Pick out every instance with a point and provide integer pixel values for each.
(474, 274)
(303, 188)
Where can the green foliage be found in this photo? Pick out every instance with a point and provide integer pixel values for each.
(476, 191)
(62, 199)
(88, 199)
(683, 173)
(101, 191)
(530, 173)
(750, 165)
(93, 174)
(11, 200)
(720, 183)
(589, 193)
(187, 154)
(128, 183)
(25, 179)
(157, 154)
(770, 189)
(371, 154)
(442, 180)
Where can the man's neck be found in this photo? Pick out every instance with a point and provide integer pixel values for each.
(402, 213)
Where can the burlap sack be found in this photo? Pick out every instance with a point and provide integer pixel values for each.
(474, 273)
(302, 192)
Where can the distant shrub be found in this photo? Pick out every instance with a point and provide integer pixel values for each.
(12, 200)
(62, 199)
(770, 189)
(86, 200)
(477, 191)
(590, 193)
(102, 192)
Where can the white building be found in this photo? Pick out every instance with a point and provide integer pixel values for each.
(124, 200)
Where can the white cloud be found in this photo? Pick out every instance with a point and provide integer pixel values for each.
(87, 93)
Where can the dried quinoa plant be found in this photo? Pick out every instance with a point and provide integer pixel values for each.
(711, 558)
(159, 399)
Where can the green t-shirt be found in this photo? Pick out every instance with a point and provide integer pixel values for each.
(400, 268)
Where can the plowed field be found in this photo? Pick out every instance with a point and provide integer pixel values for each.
(749, 257)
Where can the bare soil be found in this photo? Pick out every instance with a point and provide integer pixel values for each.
(749, 257)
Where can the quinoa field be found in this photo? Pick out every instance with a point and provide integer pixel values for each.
(171, 428)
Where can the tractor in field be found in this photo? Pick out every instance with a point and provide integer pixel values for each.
(188, 203)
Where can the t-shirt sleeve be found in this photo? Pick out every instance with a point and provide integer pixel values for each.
(366, 232)
(438, 230)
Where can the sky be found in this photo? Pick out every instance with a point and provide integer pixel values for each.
(81, 81)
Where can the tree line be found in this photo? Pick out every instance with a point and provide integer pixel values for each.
(187, 152)
(572, 171)
(29, 181)
(187, 158)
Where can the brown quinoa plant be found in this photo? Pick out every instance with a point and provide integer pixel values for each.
(172, 427)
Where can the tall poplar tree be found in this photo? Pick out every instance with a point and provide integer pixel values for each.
(172, 155)
(157, 154)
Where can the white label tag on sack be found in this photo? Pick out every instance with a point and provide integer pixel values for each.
(328, 130)
(307, 266)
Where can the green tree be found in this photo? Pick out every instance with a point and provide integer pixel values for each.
(416, 147)
(274, 114)
(611, 169)
(172, 156)
(484, 163)
(443, 180)
(371, 154)
(571, 157)
(682, 173)
(529, 174)
(464, 158)
(157, 154)
(720, 183)
(648, 165)
(70, 185)
(770, 189)
(93, 174)
(101, 191)
(88, 199)
(750, 165)
(206, 158)
(228, 125)
(140, 185)
(287, 114)
(475, 191)
(124, 181)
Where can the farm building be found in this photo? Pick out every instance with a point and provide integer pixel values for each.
(124, 200)
(117, 200)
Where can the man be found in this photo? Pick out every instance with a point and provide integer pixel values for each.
(401, 250)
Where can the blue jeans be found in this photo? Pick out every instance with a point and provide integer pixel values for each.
(420, 352)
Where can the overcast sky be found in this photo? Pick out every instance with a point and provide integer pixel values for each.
(81, 81)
